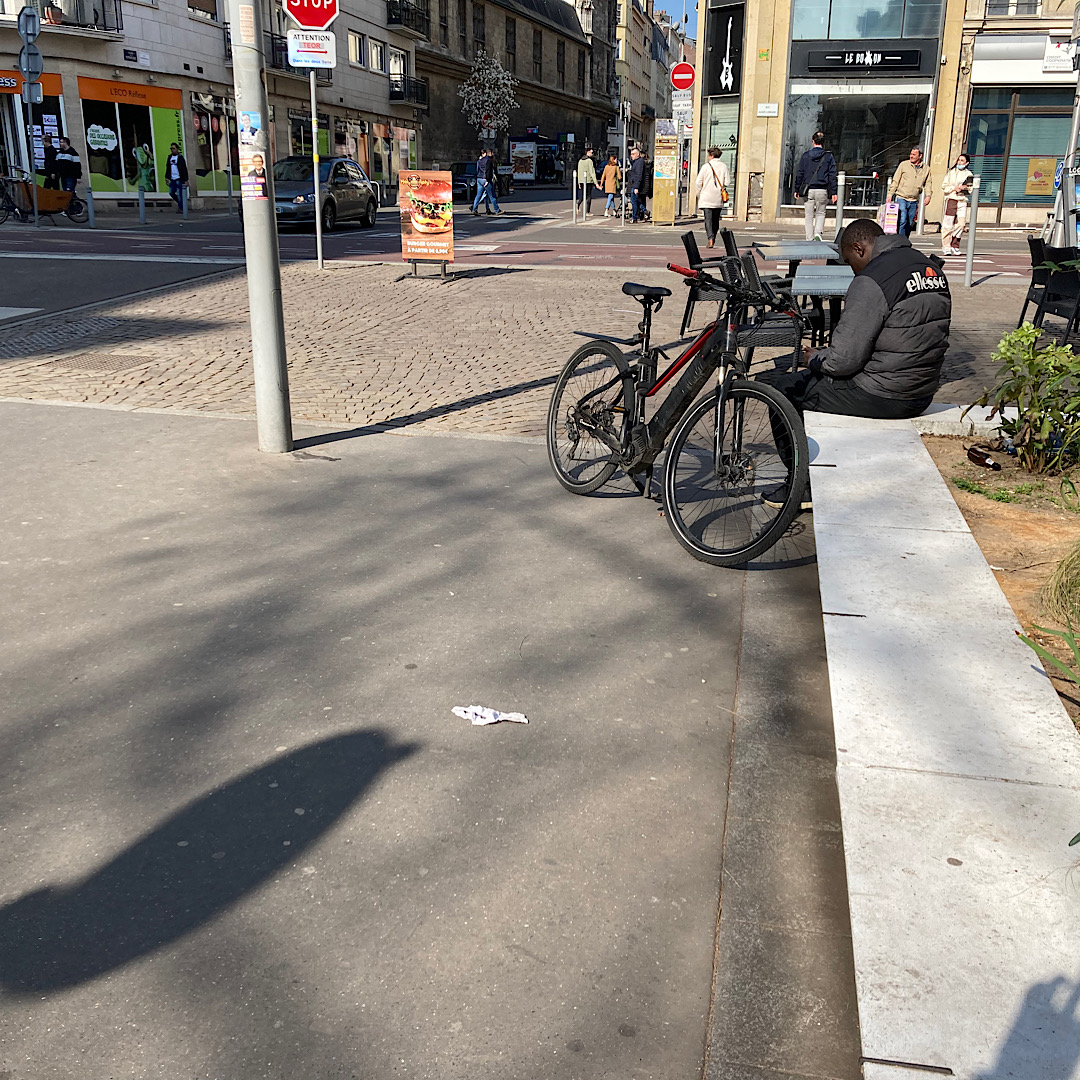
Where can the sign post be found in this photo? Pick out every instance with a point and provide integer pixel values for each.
(31, 65)
(272, 412)
(313, 46)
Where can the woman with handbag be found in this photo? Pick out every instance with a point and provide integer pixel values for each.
(956, 185)
(610, 180)
(711, 186)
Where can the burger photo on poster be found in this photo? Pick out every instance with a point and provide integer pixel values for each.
(428, 204)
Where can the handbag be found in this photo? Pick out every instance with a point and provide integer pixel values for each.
(950, 207)
(724, 196)
(888, 217)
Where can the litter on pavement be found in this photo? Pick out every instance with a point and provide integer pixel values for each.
(478, 714)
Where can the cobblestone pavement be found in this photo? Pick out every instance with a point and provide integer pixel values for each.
(369, 345)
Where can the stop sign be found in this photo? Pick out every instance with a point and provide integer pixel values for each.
(682, 76)
(312, 14)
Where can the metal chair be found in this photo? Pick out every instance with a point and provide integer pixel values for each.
(1061, 295)
(1040, 275)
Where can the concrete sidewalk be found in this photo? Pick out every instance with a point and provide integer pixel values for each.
(244, 835)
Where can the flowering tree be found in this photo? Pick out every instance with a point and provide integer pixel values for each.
(488, 94)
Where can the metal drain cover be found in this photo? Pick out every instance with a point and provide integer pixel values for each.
(100, 361)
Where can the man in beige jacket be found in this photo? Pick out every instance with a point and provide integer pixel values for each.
(910, 180)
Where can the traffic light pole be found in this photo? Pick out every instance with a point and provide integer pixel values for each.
(273, 416)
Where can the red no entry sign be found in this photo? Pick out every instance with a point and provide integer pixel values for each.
(682, 76)
(312, 14)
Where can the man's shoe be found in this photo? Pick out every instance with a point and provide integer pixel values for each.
(777, 496)
(817, 236)
(498, 213)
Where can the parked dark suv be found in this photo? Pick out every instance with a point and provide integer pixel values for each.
(347, 193)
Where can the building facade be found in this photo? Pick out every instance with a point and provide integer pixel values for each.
(125, 78)
(565, 72)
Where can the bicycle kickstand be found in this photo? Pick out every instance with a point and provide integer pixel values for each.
(644, 486)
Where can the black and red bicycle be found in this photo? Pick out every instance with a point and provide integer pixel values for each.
(737, 463)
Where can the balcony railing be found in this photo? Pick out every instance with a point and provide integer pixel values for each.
(84, 14)
(407, 89)
(276, 54)
(409, 17)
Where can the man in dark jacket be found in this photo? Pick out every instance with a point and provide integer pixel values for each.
(635, 177)
(485, 183)
(887, 349)
(68, 165)
(176, 171)
(815, 178)
(49, 170)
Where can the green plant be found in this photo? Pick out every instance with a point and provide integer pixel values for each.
(971, 486)
(1060, 594)
(1044, 385)
(1047, 657)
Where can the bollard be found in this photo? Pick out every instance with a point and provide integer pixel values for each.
(184, 199)
(841, 192)
(973, 214)
(229, 190)
(90, 206)
(573, 191)
(142, 207)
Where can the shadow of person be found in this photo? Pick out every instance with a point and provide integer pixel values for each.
(190, 868)
(1044, 1039)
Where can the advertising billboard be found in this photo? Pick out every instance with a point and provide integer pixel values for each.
(426, 201)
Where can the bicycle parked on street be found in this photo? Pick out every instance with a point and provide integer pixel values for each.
(17, 199)
(737, 463)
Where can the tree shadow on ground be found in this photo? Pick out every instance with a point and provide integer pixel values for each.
(189, 868)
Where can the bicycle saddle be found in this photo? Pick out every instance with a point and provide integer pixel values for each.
(645, 292)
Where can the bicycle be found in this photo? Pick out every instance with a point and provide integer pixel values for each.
(737, 463)
(16, 197)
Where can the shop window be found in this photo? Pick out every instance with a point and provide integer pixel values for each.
(854, 20)
(444, 22)
(478, 29)
(376, 55)
(511, 45)
(560, 64)
(357, 49)
(538, 54)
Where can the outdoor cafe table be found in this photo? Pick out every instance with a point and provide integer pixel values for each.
(818, 282)
(795, 251)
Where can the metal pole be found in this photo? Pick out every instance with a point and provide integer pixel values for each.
(33, 185)
(228, 190)
(90, 205)
(920, 219)
(973, 214)
(315, 170)
(573, 195)
(142, 206)
(841, 194)
(1065, 226)
(184, 199)
(625, 158)
(272, 412)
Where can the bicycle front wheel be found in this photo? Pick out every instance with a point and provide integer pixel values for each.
(733, 482)
(586, 418)
(77, 211)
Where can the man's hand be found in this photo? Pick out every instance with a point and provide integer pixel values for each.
(926, 201)
(834, 198)
(815, 359)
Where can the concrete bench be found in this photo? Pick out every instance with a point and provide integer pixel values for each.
(958, 771)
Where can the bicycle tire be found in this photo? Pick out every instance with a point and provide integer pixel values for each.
(724, 519)
(581, 461)
(77, 211)
(3, 213)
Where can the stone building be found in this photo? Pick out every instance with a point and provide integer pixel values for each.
(564, 70)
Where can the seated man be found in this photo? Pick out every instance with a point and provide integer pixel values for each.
(887, 349)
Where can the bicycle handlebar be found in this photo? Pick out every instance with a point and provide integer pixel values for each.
(761, 295)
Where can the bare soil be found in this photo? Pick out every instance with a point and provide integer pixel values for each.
(1024, 528)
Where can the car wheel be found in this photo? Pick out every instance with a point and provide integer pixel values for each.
(329, 216)
(370, 213)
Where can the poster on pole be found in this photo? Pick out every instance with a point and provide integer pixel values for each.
(665, 172)
(426, 201)
(254, 155)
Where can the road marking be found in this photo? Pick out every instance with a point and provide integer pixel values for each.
(476, 247)
(197, 260)
(15, 312)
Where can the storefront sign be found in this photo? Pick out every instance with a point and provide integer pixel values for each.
(523, 160)
(840, 59)
(1058, 56)
(426, 201)
(159, 97)
(11, 83)
(722, 72)
(1040, 176)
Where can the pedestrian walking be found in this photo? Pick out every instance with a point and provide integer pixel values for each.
(49, 168)
(485, 184)
(815, 178)
(711, 186)
(586, 179)
(635, 178)
(610, 181)
(68, 165)
(911, 179)
(956, 186)
(176, 171)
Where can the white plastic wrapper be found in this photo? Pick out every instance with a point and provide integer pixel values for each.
(478, 715)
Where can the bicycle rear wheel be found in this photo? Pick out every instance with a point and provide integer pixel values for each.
(586, 418)
(3, 211)
(731, 492)
(77, 210)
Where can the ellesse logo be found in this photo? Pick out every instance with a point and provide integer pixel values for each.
(927, 281)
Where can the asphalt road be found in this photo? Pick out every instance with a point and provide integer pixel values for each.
(537, 229)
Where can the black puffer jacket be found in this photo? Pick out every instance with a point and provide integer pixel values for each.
(894, 332)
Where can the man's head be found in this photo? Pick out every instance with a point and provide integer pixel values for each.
(46, 140)
(245, 119)
(916, 155)
(64, 144)
(857, 242)
(819, 138)
(714, 151)
(174, 148)
(257, 160)
(635, 153)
